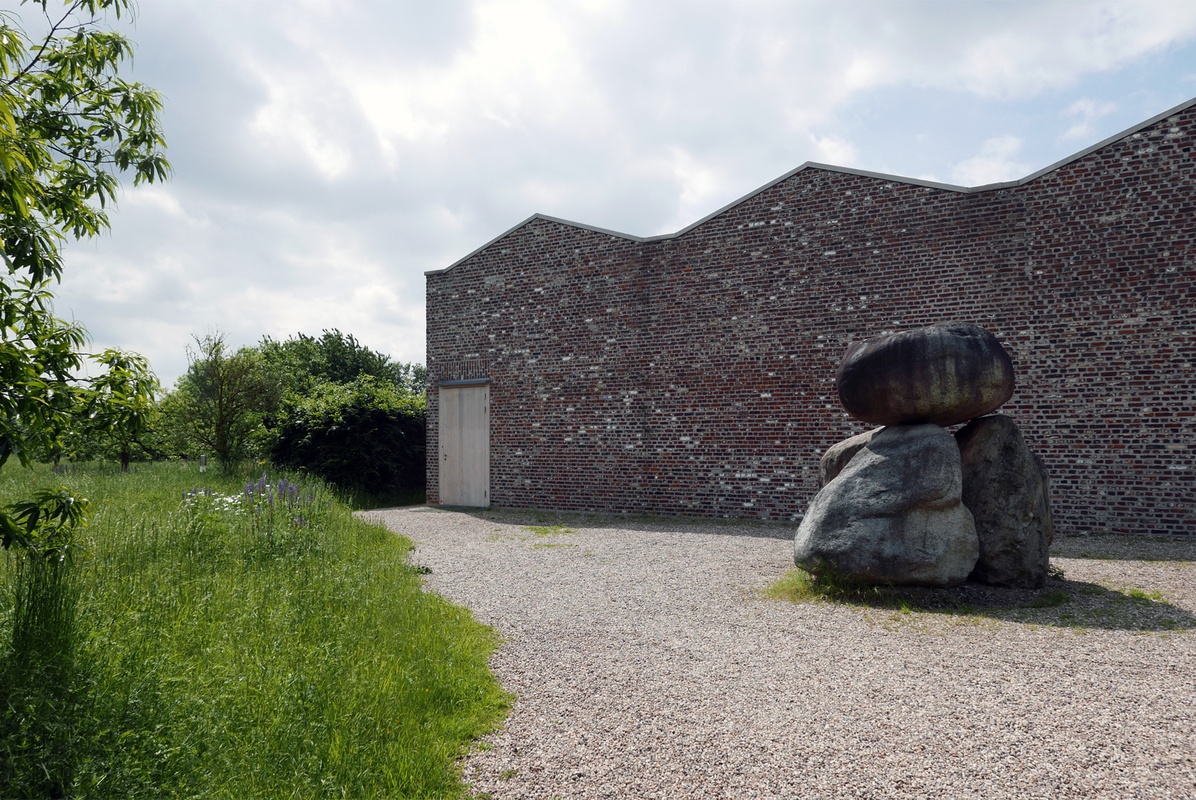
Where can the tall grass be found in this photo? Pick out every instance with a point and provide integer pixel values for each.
(237, 642)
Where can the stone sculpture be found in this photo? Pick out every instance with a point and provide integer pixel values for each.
(839, 454)
(945, 374)
(894, 513)
(907, 503)
(1006, 489)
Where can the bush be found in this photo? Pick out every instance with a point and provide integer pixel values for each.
(302, 362)
(366, 435)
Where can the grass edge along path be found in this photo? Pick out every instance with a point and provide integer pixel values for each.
(1060, 602)
(239, 642)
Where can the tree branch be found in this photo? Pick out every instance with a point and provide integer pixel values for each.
(54, 29)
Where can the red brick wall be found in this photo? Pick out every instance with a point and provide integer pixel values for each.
(693, 374)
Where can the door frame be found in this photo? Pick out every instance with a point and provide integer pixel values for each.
(473, 450)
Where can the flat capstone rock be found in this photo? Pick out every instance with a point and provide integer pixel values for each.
(941, 374)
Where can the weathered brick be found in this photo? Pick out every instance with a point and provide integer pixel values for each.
(694, 373)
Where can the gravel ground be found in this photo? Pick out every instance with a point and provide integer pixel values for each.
(646, 662)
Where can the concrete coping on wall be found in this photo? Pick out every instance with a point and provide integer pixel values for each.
(813, 165)
(464, 382)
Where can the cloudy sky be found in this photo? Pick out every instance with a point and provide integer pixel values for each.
(327, 153)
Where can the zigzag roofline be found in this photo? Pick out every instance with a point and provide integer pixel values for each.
(831, 168)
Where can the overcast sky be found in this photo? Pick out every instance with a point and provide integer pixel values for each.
(327, 153)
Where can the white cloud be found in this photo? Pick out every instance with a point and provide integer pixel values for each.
(326, 157)
(1086, 113)
(865, 72)
(519, 71)
(1017, 49)
(700, 187)
(834, 150)
(285, 124)
(995, 163)
(156, 197)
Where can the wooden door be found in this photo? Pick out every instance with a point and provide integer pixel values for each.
(465, 445)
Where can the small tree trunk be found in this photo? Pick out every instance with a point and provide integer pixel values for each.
(124, 459)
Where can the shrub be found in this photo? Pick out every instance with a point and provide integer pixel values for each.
(302, 362)
(366, 435)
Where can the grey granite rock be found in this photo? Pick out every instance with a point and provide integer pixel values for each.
(837, 455)
(1008, 492)
(944, 374)
(893, 514)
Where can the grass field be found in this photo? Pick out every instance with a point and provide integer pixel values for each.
(209, 641)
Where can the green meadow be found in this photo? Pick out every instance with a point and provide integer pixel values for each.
(210, 638)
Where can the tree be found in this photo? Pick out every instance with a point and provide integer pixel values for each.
(366, 435)
(39, 356)
(168, 435)
(233, 404)
(348, 413)
(68, 125)
(221, 400)
(302, 362)
(118, 403)
(111, 415)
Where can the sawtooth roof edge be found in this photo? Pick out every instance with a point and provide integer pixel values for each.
(529, 221)
(808, 165)
(1125, 134)
(1130, 131)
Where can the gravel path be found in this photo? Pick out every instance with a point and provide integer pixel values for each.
(646, 663)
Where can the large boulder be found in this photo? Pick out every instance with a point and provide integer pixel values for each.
(943, 374)
(839, 454)
(1007, 490)
(893, 514)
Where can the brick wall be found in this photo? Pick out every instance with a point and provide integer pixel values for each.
(693, 373)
